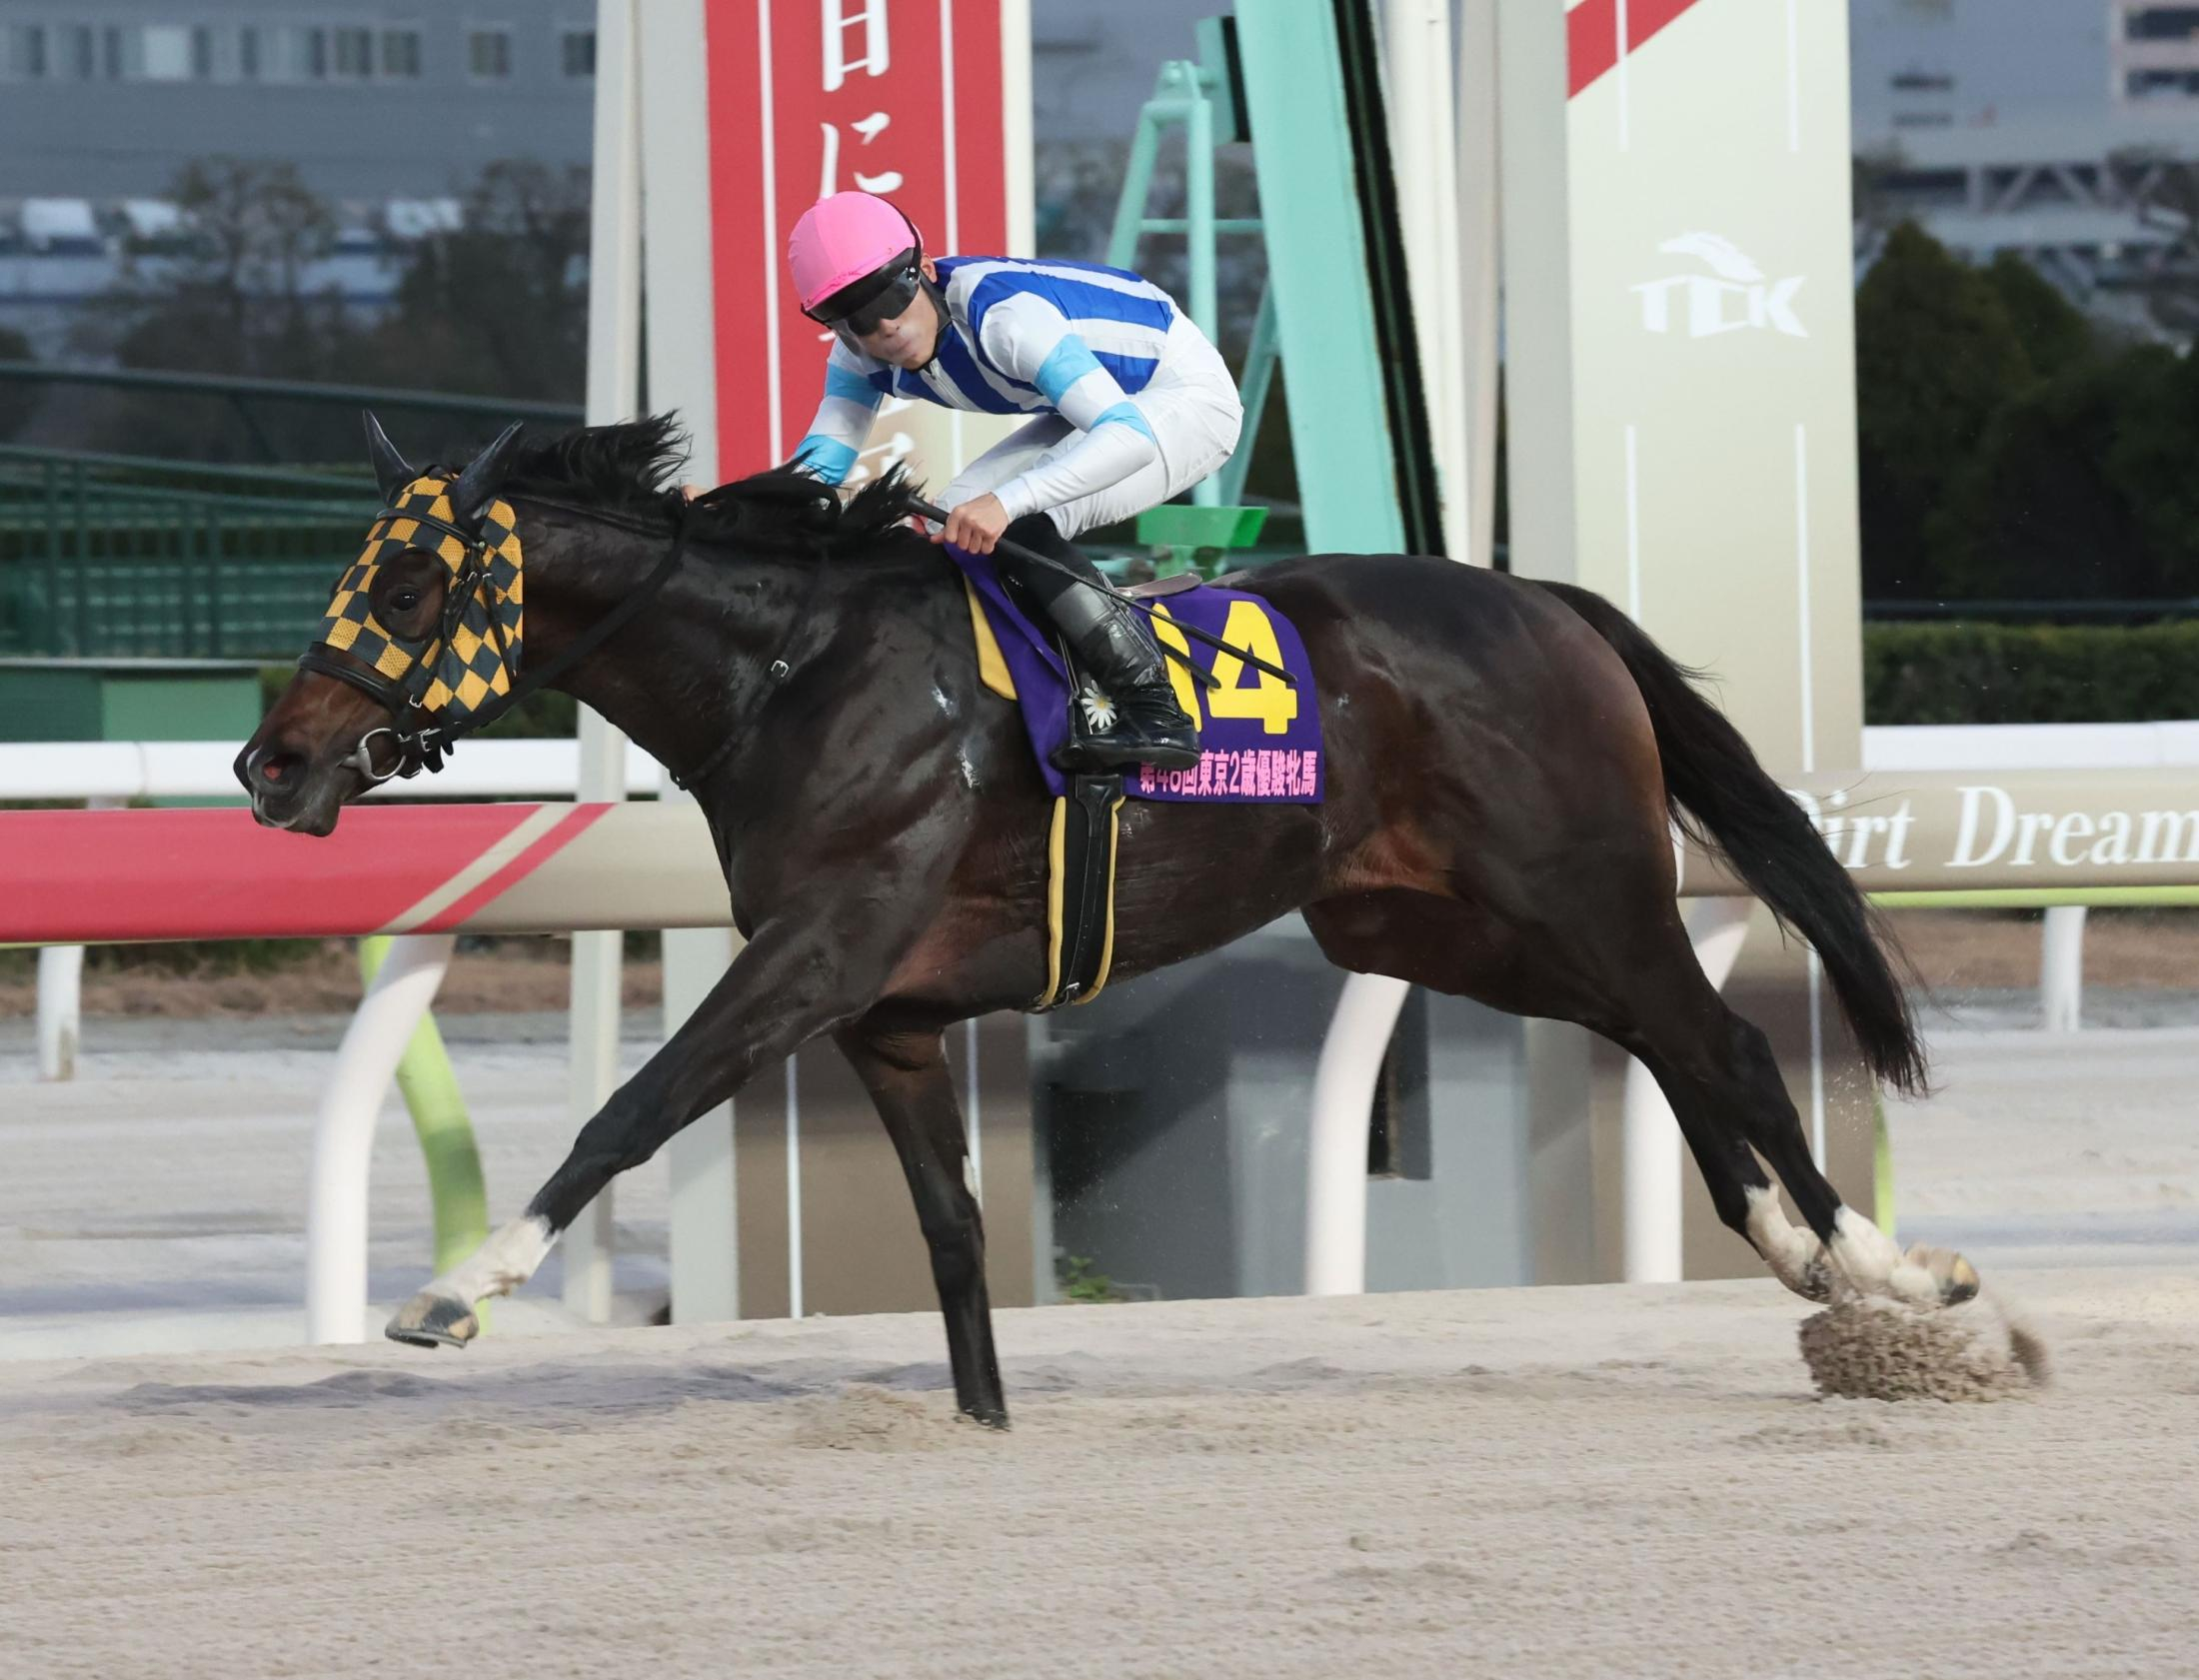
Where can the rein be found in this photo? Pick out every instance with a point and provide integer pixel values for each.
(420, 740)
(1031, 557)
(776, 670)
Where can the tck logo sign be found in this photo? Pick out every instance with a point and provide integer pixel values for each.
(1733, 297)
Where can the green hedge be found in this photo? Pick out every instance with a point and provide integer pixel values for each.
(2030, 674)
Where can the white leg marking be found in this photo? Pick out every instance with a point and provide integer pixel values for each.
(1867, 1258)
(509, 1259)
(1788, 1248)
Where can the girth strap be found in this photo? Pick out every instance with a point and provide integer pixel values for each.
(1080, 890)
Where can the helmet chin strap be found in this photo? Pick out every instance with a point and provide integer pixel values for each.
(932, 290)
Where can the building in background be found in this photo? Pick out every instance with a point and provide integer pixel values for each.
(2023, 125)
(100, 100)
(389, 109)
(372, 100)
(2034, 126)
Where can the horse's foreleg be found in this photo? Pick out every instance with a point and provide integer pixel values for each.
(801, 974)
(906, 1074)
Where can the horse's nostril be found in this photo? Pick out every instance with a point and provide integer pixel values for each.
(279, 768)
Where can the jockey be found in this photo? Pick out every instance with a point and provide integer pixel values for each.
(1131, 403)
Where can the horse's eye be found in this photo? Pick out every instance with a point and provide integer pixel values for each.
(405, 600)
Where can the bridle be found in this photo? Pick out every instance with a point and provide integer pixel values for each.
(421, 730)
(422, 737)
(421, 740)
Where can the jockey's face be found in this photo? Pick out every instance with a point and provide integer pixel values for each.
(911, 339)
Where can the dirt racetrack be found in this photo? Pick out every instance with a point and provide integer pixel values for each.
(1609, 1481)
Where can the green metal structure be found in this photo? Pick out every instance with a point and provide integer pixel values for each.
(120, 556)
(128, 700)
(1299, 78)
(1205, 98)
(1198, 538)
(245, 395)
(1311, 99)
(112, 557)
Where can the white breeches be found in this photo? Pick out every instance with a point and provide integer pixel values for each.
(1191, 403)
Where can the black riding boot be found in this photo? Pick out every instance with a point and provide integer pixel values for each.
(1114, 644)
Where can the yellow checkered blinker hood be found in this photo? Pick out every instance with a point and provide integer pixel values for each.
(474, 654)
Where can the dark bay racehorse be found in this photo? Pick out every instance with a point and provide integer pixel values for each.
(1503, 759)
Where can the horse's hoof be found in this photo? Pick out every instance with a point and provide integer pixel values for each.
(991, 1417)
(1955, 1278)
(432, 1320)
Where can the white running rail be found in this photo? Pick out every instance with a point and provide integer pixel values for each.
(109, 773)
(116, 771)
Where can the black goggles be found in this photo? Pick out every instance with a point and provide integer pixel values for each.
(895, 291)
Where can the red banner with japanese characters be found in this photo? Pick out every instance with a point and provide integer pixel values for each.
(895, 97)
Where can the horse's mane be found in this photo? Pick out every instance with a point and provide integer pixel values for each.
(631, 468)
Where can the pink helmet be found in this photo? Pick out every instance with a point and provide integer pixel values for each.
(840, 240)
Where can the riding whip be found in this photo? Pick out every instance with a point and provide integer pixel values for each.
(1031, 557)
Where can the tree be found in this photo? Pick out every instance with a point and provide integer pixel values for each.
(2083, 486)
(500, 307)
(1872, 209)
(2056, 333)
(16, 401)
(234, 297)
(1937, 356)
(2035, 513)
(497, 307)
(2150, 457)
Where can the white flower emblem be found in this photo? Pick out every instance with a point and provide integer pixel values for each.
(1098, 709)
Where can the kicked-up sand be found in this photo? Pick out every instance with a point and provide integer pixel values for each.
(1607, 1481)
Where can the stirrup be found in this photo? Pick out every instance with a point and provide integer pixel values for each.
(1147, 728)
(1096, 754)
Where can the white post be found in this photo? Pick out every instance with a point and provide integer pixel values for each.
(705, 1258)
(61, 988)
(2061, 969)
(1343, 1098)
(343, 1132)
(588, 1241)
(682, 375)
(1478, 232)
(1650, 1137)
(1018, 164)
(614, 393)
(1423, 143)
(60, 1010)
(706, 1247)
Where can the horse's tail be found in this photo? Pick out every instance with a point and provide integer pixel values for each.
(1723, 798)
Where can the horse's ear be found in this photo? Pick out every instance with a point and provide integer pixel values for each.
(390, 471)
(482, 476)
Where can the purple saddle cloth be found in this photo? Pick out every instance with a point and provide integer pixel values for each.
(1260, 738)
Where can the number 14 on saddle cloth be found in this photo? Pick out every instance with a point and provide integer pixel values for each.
(1259, 737)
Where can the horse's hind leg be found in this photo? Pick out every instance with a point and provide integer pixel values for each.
(906, 1077)
(1614, 957)
(1469, 952)
(1721, 1078)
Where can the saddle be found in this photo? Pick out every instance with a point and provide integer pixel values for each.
(1259, 737)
